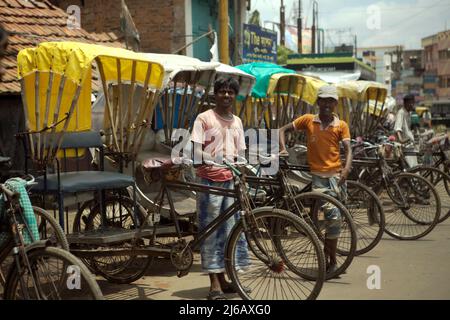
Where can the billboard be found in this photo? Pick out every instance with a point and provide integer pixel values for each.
(259, 45)
(291, 37)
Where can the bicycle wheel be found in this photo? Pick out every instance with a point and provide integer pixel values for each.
(313, 205)
(54, 274)
(263, 268)
(49, 229)
(80, 220)
(411, 206)
(441, 182)
(367, 214)
(121, 269)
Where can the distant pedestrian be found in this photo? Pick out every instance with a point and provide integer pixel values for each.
(402, 127)
(426, 119)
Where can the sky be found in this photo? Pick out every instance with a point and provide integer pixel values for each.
(375, 23)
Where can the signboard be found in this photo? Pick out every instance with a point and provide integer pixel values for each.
(292, 39)
(260, 45)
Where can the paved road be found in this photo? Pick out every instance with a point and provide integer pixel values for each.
(409, 270)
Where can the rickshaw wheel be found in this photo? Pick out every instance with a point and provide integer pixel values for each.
(119, 269)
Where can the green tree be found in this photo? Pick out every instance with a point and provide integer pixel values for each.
(255, 18)
(282, 54)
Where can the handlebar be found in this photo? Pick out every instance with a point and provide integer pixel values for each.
(227, 164)
(29, 181)
(9, 194)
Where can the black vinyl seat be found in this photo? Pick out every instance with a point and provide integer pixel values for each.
(71, 182)
(73, 173)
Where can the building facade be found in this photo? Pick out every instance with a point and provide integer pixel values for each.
(332, 65)
(410, 76)
(386, 61)
(30, 23)
(164, 26)
(436, 64)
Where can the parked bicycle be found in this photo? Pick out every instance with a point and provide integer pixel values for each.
(411, 203)
(38, 271)
(285, 259)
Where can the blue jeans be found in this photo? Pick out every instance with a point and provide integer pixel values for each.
(209, 207)
(332, 214)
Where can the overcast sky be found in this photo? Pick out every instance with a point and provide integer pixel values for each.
(376, 23)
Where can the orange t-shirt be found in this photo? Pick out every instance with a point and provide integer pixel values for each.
(323, 143)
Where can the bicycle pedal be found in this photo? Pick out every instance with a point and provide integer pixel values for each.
(183, 273)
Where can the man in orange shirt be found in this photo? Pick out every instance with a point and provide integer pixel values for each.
(324, 133)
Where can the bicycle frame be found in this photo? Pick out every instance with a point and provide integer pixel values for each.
(238, 205)
(15, 242)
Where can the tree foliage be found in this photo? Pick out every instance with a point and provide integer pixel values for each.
(255, 18)
(282, 54)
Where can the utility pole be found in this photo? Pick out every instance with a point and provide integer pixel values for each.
(237, 31)
(356, 47)
(314, 27)
(299, 27)
(318, 30)
(282, 24)
(223, 32)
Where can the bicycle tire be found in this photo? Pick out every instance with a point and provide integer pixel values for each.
(120, 269)
(370, 224)
(59, 237)
(79, 222)
(347, 243)
(39, 259)
(441, 182)
(274, 266)
(400, 222)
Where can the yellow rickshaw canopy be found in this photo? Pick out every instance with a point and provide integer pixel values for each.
(51, 73)
(304, 87)
(74, 60)
(361, 90)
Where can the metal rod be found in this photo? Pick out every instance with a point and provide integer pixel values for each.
(140, 112)
(37, 112)
(130, 103)
(62, 85)
(109, 112)
(66, 124)
(47, 111)
(181, 111)
(119, 98)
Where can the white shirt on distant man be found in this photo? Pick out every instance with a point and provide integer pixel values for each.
(403, 124)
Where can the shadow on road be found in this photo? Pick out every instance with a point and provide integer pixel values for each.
(164, 268)
(192, 294)
(113, 291)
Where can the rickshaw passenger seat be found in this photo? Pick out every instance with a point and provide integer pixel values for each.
(76, 173)
(84, 181)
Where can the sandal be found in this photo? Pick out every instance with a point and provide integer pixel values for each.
(216, 295)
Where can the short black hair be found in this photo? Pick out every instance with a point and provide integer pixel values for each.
(229, 82)
(409, 97)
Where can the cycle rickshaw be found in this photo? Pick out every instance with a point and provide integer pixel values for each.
(119, 238)
(402, 196)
